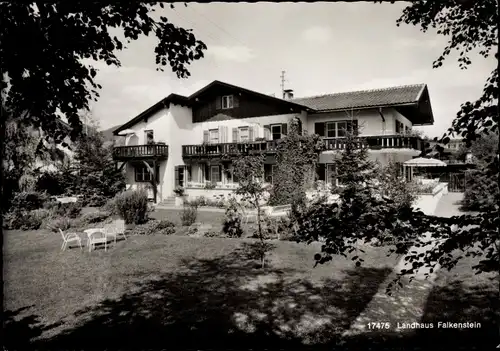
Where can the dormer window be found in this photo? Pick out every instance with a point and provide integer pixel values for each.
(227, 101)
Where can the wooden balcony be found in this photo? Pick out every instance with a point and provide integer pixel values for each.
(140, 152)
(229, 149)
(378, 142)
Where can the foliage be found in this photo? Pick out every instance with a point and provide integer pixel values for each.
(248, 169)
(109, 207)
(98, 179)
(179, 191)
(296, 157)
(218, 201)
(70, 209)
(28, 200)
(95, 217)
(231, 226)
(51, 182)
(68, 81)
(394, 186)
(132, 206)
(361, 213)
(57, 223)
(210, 185)
(25, 220)
(214, 234)
(189, 214)
(155, 227)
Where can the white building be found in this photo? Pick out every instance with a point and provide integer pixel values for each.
(182, 138)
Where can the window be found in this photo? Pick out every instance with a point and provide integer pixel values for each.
(227, 101)
(400, 127)
(142, 174)
(276, 131)
(214, 136)
(149, 136)
(273, 170)
(341, 129)
(335, 129)
(331, 174)
(244, 133)
(215, 174)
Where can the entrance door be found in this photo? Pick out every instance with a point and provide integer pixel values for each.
(179, 176)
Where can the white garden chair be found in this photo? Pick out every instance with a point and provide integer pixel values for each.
(69, 238)
(97, 237)
(116, 228)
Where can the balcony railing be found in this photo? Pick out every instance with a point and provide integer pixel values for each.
(230, 149)
(140, 152)
(370, 142)
(378, 142)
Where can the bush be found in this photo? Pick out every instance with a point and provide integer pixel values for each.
(69, 209)
(62, 223)
(25, 220)
(179, 191)
(155, 227)
(52, 183)
(231, 225)
(12, 220)
(132, 206)
(110, 207)
(214, 234)
(28, 201)
(94, 217)
(94, 200)
(189, 214)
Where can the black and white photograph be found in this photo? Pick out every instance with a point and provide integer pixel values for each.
(250, 175)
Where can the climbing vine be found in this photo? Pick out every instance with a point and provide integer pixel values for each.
(296, 158)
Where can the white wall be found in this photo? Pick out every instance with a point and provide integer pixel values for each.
(369, 121)
(156, 122)
(196, 136)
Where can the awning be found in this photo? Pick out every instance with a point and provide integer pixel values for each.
(424, 162)
(127, 132)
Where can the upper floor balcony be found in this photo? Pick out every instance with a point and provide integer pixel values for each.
(140, 152)
(379, 142)
(270, 146)
(229, 149)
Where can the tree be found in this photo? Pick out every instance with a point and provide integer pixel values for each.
(296, 157)
(98, 178)
(249, 169)
(35, 92)
(394, 186)
(361, 214)
(482, 190)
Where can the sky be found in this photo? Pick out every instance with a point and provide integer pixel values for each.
(322, 47)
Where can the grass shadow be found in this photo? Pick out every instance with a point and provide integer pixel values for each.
(224, 303)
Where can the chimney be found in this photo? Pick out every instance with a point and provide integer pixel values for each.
(288, 94)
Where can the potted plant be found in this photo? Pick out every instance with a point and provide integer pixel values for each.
(180, 195)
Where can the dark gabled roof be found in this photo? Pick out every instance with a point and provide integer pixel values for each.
(270, 98)
(188, 101)
(401, 95)
(172, 98)
(412, 99)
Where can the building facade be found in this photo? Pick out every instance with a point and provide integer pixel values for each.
(180, 141)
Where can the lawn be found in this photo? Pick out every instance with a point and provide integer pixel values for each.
(206, 293)
(169, 287)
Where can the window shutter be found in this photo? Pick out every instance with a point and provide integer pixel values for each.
(207, 172)
(250, 133)
(220, 173)
(319, 128)
(205, 136)
(218, 102)
(320, 171)
(236, 101)
(176, 169)
(267, 132)
(221, 134)
(284, 130)
(188, 171)
(235, 135)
